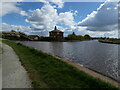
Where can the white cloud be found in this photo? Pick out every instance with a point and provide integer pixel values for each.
(11, 7)
(7, 27)
(108, 8)
(104, 19)
(23, 13)
(26, 29)
(8, 8)
(46, 17)
(59, 3)
(67, 18)
(83, 31)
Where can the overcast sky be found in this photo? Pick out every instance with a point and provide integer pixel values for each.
(97, 19)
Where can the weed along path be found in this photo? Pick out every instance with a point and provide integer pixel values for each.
(14, 75)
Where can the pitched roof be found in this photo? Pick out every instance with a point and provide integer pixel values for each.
(55, 30)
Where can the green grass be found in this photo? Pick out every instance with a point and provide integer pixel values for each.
(46, 71)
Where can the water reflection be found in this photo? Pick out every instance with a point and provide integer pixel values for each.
(56, 48)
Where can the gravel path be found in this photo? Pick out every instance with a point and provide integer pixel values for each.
(14, 75)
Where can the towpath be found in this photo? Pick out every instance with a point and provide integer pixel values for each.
(13, 73)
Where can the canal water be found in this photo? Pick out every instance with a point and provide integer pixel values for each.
(101, 57)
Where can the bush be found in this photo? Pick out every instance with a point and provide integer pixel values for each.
(19, 44)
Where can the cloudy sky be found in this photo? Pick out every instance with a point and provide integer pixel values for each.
(98, 19)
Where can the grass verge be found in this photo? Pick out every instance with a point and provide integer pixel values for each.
(46, 71)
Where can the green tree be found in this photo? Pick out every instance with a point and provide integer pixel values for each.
(87, 37)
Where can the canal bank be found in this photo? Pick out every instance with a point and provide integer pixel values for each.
(91, 72)
(58, 73)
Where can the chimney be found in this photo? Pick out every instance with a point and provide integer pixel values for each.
(55, 28)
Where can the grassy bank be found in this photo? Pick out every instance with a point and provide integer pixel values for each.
(46, 71)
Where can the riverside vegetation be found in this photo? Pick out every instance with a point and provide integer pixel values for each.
(46, 71)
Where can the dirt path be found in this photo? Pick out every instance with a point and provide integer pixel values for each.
(92, 73)
(14, 75)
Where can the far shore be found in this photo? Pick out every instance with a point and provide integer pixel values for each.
(110, 41)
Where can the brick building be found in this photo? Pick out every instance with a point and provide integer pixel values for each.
(56, 34)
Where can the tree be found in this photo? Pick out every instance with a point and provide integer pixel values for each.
(87, 37)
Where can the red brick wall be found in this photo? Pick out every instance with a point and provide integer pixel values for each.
(58, 35)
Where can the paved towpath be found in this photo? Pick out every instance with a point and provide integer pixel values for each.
(14, 75)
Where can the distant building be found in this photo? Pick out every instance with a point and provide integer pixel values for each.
(34, 37)
(56, 34)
